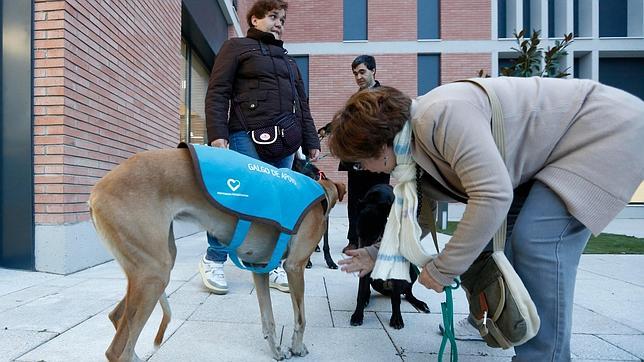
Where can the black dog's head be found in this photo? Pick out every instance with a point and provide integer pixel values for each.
(374, 210)
(307, 168)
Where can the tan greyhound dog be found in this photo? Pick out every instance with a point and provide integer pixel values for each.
(132, 208)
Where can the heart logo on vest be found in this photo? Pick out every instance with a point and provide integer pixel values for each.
(233, 184)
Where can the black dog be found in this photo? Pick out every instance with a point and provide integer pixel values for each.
(374, 209)
(305, 167)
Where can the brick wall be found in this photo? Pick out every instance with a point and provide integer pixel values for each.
(465, 19)
(331, 84)
(390, 20)
(455, 66)
(314, 21)
(306, 21)
(106, 86)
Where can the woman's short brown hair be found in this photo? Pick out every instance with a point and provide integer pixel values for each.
(261, 7)
(369, 120)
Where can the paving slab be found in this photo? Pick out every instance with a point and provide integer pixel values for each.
(14, 343)
(89, 340)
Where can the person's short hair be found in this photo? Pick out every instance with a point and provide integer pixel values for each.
(368, 121)
(367, 60)
(261, 7)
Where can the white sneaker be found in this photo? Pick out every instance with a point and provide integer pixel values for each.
(278, 279)
(464, 330)
(212, 275)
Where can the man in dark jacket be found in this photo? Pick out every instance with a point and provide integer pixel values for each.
(252, 82)
(360, 181)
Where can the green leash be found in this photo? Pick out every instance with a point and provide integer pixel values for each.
(447, 308)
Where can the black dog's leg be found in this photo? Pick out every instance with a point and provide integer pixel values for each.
(327, 252)
(396, 320)
(409, 296)
(417, 303)
(364, 292)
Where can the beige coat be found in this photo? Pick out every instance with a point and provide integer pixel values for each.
(582, 139)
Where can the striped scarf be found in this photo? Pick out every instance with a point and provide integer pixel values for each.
(401, 240)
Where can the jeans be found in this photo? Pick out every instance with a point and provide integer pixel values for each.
(240, 142)
(544, 244)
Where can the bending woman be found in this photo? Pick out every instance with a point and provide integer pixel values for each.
(574, 157)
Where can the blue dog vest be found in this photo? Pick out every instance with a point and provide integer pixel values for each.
(255, 192)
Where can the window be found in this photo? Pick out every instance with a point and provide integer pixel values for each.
(428, 18)
(194, 84)
(303, 64)
(527, 13)
(502, 18)
(429, 72)
(623, 73)
(613, 18)
(355, 19)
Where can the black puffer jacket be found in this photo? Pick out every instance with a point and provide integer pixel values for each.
(251, 75)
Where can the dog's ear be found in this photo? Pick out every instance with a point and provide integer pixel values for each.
(342, 190)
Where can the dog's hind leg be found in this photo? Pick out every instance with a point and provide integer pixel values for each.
(143, 292)
(266, 311)
(417, 303)
(163, 300)
(116, 314)
(295, 274)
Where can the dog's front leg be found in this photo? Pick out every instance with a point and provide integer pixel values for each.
(396, 320)
(364, 293)
(266, 311)
(295, 276)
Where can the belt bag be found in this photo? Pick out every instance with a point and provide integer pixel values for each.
(279, 140)
(281, 136)
(500, 304)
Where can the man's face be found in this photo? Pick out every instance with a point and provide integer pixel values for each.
(272, 23)
(364, 77)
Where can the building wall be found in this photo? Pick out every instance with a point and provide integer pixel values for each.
(455, 66)
(465, 19)
(106, 86)
(311, 21)
(387, 23)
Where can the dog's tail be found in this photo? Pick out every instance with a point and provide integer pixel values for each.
(167, 314)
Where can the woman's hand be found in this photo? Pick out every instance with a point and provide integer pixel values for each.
(359, 261)
(314, 154)
(220, 143)
(430, 283)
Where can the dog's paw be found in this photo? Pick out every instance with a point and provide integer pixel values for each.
(423, 307)
(299, 351)
(396, 322)
(356, 319)
(278, 355)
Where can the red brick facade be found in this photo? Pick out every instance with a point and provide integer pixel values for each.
(106, 86)
(455, 66)
(392, 20)
(465, 19)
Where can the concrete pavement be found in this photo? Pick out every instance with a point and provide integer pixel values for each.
(46, 317)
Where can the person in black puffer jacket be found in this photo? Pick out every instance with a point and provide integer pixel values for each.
(252, 82)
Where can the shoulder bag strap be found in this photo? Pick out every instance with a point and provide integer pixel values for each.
(498, 134)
